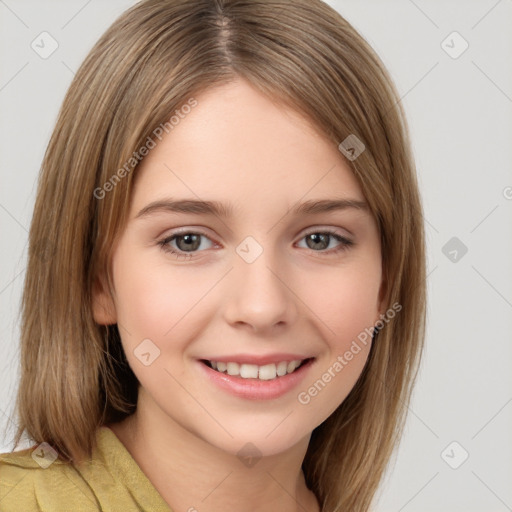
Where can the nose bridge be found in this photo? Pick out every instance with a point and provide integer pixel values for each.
(259, 297)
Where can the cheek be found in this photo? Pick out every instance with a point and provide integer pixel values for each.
(347, 306)
(162, 303)
(151, 297)
(346, 302)
(153, 305)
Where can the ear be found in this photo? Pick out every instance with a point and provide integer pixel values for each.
(103, 307)
(381, 306)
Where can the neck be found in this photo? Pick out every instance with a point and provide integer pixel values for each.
(193, 475)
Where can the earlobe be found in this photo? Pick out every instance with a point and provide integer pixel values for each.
(103, 308)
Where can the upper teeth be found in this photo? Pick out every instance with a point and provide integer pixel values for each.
(253, 371)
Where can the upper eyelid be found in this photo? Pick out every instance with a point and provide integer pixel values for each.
(305, 231)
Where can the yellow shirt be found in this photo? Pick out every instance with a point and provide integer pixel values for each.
(110, 482)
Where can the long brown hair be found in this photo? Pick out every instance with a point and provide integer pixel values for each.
(150, 62)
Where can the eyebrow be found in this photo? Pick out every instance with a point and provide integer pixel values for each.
(218, 209)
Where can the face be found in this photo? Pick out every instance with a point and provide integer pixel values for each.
(249, 249)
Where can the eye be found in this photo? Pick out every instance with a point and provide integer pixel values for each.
(184, 243)
(319, 241)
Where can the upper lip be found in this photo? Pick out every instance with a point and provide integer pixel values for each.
(259, 360)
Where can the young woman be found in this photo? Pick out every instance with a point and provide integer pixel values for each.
(229, 310)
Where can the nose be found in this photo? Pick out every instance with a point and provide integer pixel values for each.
(260, 296)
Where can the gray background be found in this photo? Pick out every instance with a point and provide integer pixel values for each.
(459, 110)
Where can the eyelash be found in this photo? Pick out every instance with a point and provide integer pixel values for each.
(345, 243)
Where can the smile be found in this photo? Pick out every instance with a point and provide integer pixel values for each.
(256, 378)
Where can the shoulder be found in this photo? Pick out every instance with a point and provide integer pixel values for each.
(35, 480)
(31, 481)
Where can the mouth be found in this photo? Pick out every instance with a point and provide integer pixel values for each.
(266, 372)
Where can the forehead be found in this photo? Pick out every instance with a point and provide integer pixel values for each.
(238, 144)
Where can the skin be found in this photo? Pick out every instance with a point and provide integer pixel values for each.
(239, 147)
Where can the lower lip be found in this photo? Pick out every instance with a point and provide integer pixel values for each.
(256, 389)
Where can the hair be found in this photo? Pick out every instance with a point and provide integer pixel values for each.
(74, 376)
